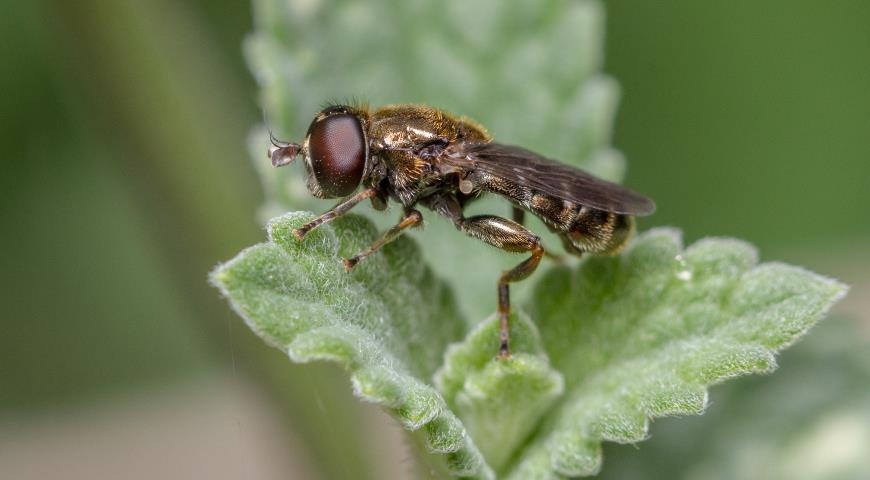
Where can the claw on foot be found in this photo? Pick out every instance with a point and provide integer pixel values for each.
(299, 233)
(504, 351)
(349, 263)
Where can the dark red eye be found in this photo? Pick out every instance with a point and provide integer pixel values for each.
(336, 146)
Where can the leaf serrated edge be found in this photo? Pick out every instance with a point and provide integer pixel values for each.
(593, 463)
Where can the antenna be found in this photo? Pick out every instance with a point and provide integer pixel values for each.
(281, 153)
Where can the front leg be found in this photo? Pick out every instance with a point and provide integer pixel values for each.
(340, 209)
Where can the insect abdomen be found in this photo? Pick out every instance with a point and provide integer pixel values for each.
(599, 232)
(583, 229)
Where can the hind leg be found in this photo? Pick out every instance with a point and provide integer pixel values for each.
(502, 233)
(512, 237)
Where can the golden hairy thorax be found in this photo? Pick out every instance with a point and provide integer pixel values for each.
(398, 129)
(407, 125)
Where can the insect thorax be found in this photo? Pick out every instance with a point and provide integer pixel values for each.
(400, 132)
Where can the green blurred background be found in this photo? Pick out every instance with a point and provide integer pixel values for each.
(125, 179)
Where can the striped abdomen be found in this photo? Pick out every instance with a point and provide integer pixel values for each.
(582, 229)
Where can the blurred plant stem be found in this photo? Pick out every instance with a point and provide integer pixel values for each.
(178, 122)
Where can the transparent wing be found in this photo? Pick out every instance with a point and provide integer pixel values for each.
(519, 165)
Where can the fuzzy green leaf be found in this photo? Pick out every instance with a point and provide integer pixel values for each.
(621, 340)
(642, 335)
(810, 421)
(387, 323)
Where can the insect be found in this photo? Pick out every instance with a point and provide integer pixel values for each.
(417, 155)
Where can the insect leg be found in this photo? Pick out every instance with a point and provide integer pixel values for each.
(340, 209)
(412, 217)
(512, 237)
(519, 214)
(501, 233)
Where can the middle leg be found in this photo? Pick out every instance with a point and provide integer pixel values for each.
(519, 215)
(411, 218)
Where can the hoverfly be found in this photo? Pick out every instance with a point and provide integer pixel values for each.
(419, 155)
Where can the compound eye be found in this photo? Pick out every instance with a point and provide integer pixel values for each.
(336, 147)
